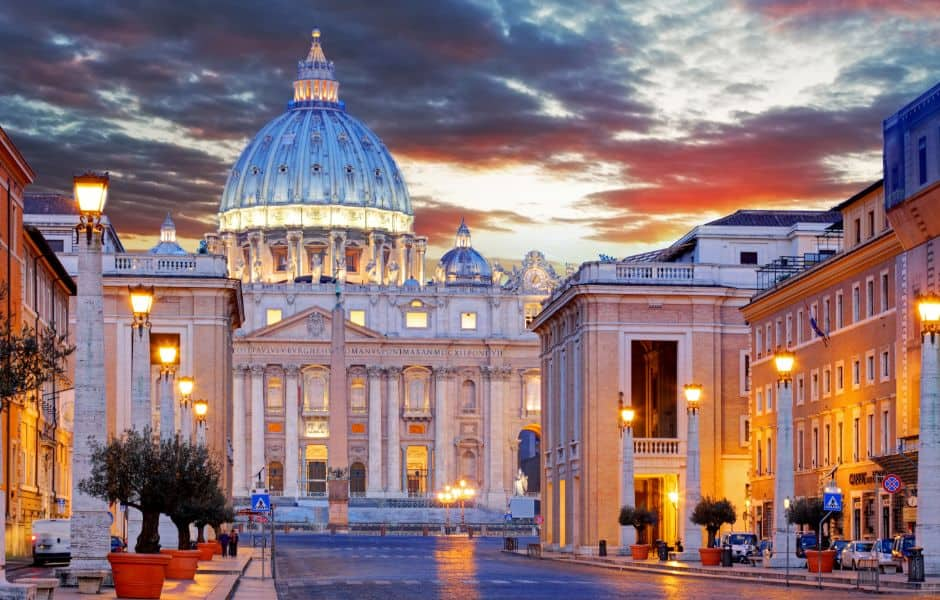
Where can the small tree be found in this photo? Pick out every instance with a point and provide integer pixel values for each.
(197, 486)
(712, 514)
(808, 512)
(214, 513)
(639, 518)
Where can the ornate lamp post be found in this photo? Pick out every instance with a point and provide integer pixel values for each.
(141, 303)
(446, 498)
(625, 416)
(928, 461)
(167, 370)
(786, 512)
(91, 521)
(783, 478)
(693, 471)
(673, 496)
(186, 385)
(201, 409)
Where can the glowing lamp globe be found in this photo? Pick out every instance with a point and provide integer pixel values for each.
(91, 192)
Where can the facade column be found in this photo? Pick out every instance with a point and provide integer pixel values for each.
(442, 444)
(291, 440)
(91, 521)
(494, 378)
(294, 256)
(394, 440)
(167, 405)
(239, 478)
(928, 462)
(257, 424)
(141, 408)
(377, 243)
(255, 268)
(401, 253)
(374, 476)
(231, 257)
(783, 477)
(692, 533)
(627, 486)
(422, 245)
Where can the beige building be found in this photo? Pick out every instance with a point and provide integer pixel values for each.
(644, 327)
(845, 408)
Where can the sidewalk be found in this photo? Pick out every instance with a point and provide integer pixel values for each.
(215, 580)
(252, 586)
(799, 576)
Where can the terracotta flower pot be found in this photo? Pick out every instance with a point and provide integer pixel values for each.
(138, 575)
(183, 564)
(711, 557)
(639, 551)
(817, 561)
(207, 549)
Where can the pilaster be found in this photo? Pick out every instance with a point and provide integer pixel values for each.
(291, 440)
(394, 437)
(374, 475)
(257, 423)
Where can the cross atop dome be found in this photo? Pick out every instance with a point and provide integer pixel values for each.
(316, 83)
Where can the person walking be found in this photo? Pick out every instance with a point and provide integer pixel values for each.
(233, 544)
(224, 541)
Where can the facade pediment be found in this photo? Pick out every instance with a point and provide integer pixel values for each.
(311, 324)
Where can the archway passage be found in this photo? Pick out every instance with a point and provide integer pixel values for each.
(357, 479)
(530, 441)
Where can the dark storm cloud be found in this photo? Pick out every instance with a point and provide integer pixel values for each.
(469, 83)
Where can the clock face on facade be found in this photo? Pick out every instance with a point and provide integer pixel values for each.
(535, 279)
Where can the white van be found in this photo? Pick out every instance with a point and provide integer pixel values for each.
(51, 542)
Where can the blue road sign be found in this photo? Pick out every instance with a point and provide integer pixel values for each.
(507, 517)
(832, 502)
(260, 503)
(891, 483)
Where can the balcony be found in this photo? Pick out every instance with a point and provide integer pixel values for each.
(413, 413)
(143, 264)
(657, 447)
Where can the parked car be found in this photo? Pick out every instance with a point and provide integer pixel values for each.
(856, 552)
(117, 544)
(804, 542)
(742, 545)
(901, 548)
(51, 541)
(884, 551)
(838, 546)
(765, 547)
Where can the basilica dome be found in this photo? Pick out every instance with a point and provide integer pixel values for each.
(316, 166)
(462, 265)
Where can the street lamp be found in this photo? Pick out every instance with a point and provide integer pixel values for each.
(693, 469)
(186, 388)
(90, 522)
(168, 356)
(928, 460)
(674, 498)
(446, 498)
(747, 514)
(141, 297)
(201, 409)
(185, 385)
(784, 361)
(625, 416)
(786, 508)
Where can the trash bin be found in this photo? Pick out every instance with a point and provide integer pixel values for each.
(726, 559)
(602, 548)
(915, 567)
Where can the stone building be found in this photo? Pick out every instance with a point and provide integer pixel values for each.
(641, 329)
(439, 378)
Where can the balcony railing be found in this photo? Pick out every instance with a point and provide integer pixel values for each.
(656, 447)
(141, 263)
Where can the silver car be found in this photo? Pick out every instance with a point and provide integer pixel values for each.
(856, 552)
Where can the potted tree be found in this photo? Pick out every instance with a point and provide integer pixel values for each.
(214, 513)
(711, 514)
(639, 518)
(198, 481)
(809, 512)
(130, 470)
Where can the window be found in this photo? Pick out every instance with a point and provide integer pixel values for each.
(827, 381)
(760, 458)
(789, 330)
(827, 319)
(855, 439)
(357, 316)
(416, 320)
(885, 431)
(770, 455)
(778, 333)
(352, 260)
(275, 395)
(871, 223)
(279, 257)
(858, 231)
(826, 452)
(274, 315)
(870, 367)
(840, 378)
(869, 297)
(56, 245)
(856, 304)
(746, 365)
(799, 449)
(316, 391)
(815, 452)
(841, 441)
(468, 320)
(884, 292)
(468, 397)
(745, 431)
(800, 389)
(748, 258)
(357, 395)
(769, 397)
(871, 434)
(759, 402)
(840, 310)
(531, 309)
(533, 393)
(856, 373)
(758, 341)
(799, 326)
(814, 385)
(417, 396)
(768, 339)
(922, 161)
(885, 365)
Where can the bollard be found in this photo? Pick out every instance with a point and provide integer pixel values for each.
(602, 548)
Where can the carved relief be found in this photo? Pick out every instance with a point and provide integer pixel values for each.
(315, 324)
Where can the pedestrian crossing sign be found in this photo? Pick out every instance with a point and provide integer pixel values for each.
(832, 502)
(260, 503)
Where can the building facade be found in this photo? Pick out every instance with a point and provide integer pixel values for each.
(641, 329)
(439, 377)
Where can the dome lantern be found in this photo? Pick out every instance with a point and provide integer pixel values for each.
(316, 83)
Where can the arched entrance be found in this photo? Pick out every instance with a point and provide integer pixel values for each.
(276, 478)
(530, 441)
(357, 479)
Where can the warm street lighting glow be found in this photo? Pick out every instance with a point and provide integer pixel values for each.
(783, 361)
(91, 193)
(141, 299)
(167, 355)
(626, 414)
(674, 496)
(928, 306)
(186, 384)
(693, 394)
(201, 408)
(786, 503)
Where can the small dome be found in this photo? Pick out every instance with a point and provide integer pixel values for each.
(168, 243)
(463, 265)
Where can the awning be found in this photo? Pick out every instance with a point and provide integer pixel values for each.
(903, 465)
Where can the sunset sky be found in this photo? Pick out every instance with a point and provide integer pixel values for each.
(576, 128)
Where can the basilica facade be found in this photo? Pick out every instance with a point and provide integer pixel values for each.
(353, 355)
